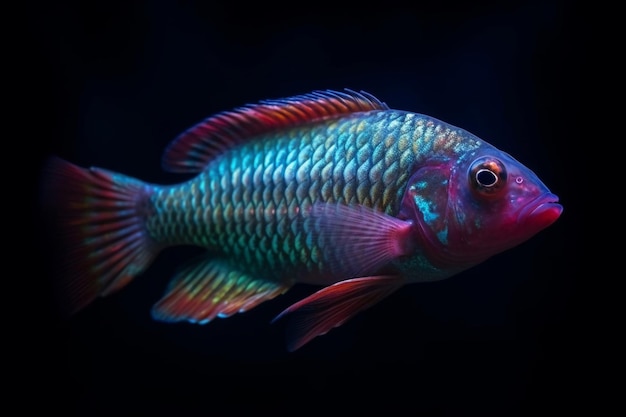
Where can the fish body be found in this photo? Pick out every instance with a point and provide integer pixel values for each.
(328, 188)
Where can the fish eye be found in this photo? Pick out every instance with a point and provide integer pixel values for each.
(487, 176)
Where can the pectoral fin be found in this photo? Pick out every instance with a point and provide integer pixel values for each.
(210, 288)
(334, 305)
(357, 240)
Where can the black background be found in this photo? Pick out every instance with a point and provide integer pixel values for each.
(116, 81)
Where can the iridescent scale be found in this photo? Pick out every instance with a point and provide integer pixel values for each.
(251, 202)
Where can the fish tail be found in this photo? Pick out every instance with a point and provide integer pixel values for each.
(98, 220)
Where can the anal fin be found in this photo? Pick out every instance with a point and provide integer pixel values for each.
(210, 288)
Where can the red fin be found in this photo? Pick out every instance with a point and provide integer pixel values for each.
(191, 151)
(100, 218)
(361, 239)
(333, 305)
(210, 288)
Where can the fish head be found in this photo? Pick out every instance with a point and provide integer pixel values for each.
(469, 208)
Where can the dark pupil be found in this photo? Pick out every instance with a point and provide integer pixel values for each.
(486, 178)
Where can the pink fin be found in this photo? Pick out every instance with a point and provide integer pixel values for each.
(333, 305)
(361, 239)
(195, 148)
(210, 288)
(99, 217)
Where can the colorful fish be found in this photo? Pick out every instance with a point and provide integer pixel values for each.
(328, 188)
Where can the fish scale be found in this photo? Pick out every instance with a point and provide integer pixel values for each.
(363, 159)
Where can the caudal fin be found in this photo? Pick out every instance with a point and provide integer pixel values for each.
(99, 222)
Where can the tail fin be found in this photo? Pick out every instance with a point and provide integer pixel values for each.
(98, 218)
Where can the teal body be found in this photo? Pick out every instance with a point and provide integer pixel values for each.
(251, 203)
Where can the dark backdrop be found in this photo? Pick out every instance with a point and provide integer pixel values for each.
(116, 81)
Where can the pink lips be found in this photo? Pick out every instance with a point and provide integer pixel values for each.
(541, 212)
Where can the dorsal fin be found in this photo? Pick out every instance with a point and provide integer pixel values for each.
(193, 149)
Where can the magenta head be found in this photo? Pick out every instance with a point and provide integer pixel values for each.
(471, 208)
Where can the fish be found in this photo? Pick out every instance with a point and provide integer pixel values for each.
(331, 188)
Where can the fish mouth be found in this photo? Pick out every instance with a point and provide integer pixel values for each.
(541, 211)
